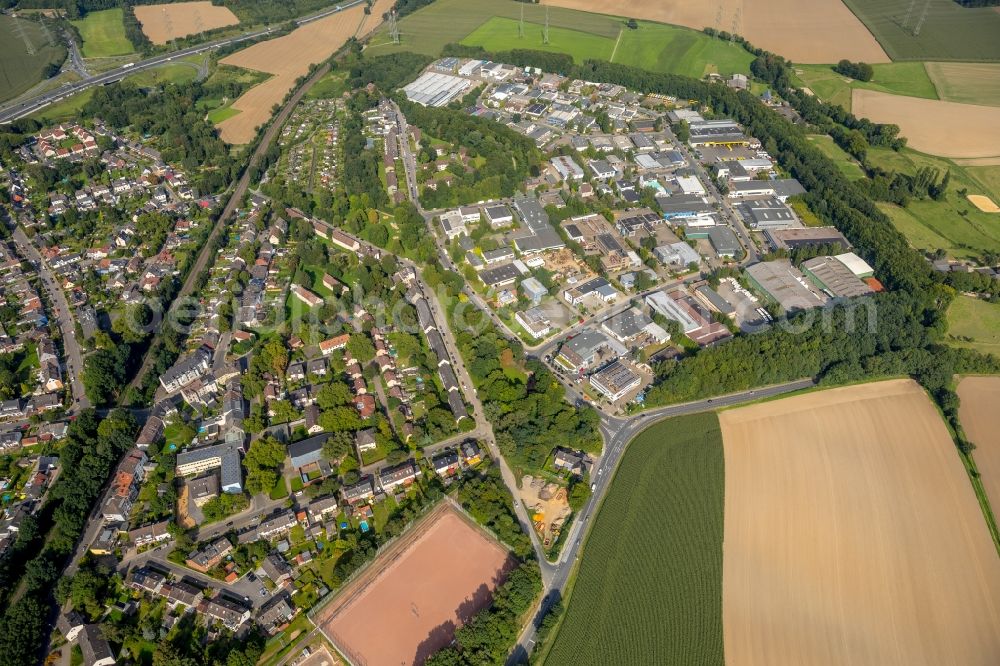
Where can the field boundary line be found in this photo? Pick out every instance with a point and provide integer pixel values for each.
(618, 41)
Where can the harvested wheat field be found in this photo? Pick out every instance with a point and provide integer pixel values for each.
(806, 31)
(980, 417)
(287, 58)
(947, 129)
(431, 581)
(983, 203)
(853, 536)
(161, 23)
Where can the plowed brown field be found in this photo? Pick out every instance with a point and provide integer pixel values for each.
(806, 31)
(853, 536)
(161, 23)
(948, 129)
(288, 58)
(980, 416)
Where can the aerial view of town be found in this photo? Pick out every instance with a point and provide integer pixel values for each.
(466, 332)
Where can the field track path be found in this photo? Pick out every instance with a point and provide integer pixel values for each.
(617, 42)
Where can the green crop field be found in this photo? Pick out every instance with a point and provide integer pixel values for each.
(26, 49)
(493, 24)
(103, 34)
(673, 50)
(501, 34)
(847, 164)
(949, 32)
(450, 21)
(900, 78)
(216, 116)
(966, 82)
(975, 324)
(967, 231)
(649, 589)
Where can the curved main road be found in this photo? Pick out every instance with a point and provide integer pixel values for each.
(617, 433)
(19, 109)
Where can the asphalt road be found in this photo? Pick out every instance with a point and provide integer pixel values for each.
(21, 108)
(484, 429)
(617, 433)
(64, 316)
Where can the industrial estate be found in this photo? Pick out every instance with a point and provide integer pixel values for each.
(485, 332)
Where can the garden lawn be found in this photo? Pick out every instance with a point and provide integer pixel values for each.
(103, 34)
(650, 582)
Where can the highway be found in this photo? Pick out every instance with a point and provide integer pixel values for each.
(21, 108)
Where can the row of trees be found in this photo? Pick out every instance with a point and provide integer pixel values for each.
(47, 539)
(861, 71)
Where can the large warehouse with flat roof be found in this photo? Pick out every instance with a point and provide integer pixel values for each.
(834, 277)
(785, 285)
(436, 89)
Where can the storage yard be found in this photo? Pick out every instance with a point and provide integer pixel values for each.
(161, 23)
(847, 512)
(431, 581)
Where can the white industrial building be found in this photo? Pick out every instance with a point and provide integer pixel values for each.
(436, 89)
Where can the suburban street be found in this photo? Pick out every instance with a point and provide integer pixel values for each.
(25, 107)
(61, 310)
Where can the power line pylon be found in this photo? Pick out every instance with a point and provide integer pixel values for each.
(909, 12)
(393, 28)
(520, 24)
(923, 17)
(545, 32)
